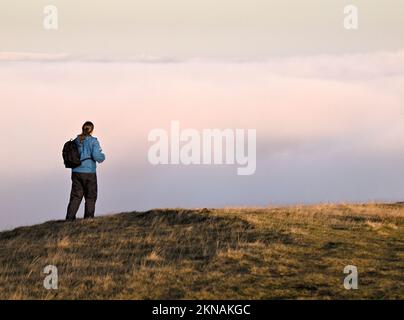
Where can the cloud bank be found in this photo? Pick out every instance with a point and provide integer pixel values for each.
(329, 128)
(342, 66)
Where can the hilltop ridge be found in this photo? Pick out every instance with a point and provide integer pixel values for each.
(235, 253)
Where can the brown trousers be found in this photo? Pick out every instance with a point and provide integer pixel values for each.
(83, 185)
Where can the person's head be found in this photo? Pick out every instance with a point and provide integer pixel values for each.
(86, 130)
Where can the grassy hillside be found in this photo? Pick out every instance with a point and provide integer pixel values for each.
(290, 252)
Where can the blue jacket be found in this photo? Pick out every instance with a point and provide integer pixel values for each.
(90, 154)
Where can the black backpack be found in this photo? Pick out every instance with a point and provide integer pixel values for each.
(71, 155)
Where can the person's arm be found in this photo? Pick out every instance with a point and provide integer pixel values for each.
(97, 153)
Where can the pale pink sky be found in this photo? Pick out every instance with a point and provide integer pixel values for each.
(330, 128)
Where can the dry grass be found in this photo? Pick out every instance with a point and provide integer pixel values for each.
(296, 252)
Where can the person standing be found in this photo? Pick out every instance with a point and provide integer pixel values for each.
(84, 176)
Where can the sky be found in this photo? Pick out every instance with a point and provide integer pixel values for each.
(327, 103)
